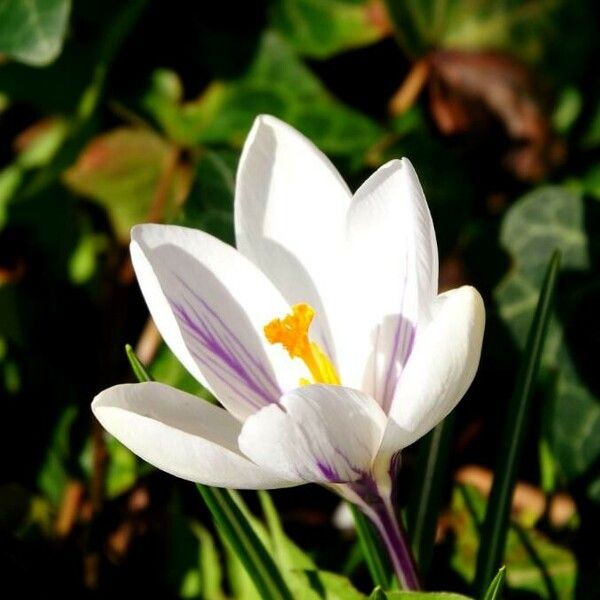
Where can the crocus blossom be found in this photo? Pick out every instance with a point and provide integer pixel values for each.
(323, 335)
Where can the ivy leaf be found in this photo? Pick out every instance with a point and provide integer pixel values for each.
(322, 28)
(133, 173)
(32, 31)
(277, 83)
(544, 220)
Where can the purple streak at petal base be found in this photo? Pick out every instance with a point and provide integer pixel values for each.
(384, 518)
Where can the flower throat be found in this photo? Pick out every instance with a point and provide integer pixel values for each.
(292, 333)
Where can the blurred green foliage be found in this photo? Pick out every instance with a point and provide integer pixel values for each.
(117, 113)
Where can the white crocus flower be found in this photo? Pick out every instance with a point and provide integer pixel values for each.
(387, 357)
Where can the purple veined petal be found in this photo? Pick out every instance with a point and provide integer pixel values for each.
(210, 305)
(392, 256)
(441, 368)
(318, 433)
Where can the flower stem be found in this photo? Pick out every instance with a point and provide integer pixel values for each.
(396, 543)
(378, 506)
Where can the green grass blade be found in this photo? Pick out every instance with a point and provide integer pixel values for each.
(497, 585)
(237, 531)
(426, 496)
(493, 538)
(233, 525)
(139, 370)
(372, 549)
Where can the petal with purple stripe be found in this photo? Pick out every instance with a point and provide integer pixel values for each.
(318, 433)
(210, 305)
(392, 257)
(440, 370)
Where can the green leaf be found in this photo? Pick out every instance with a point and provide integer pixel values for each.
(209, 565)
(514, 25)
(131, 172)
(122, 469)
(426, 495)
(533, 563)
(493, 537)
(373, 552)
(496, 586)
(405, 595)
(299, 570)
(278, 83)
(210, 202)
(322, 28)
(235, 528)
(56, 470)
(139, 370)
(287, 554)
(548, 218)
(167, 369)
(32, 31)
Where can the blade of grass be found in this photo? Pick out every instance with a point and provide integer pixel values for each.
(493, 538)
(232, 524)
(372, 549)
(139, 370)
(426, 495)
(497, 585)
(237, 531)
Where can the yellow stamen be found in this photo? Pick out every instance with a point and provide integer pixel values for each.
(292, 333)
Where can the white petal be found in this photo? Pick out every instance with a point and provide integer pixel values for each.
(180, 434)
(441, 367)
(290, 208)
(392, 255)
(318, 433)
(210, 305)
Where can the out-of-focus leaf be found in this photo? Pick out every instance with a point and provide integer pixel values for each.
(55, 470)
(278, 83)
(132, 173)
(568, 108)
(533, 563)
(287, 554)
(37, 145)
(321, 28)
(167, 369)
(591, 139)
(210, 202)
(122, 466)
(514, 25)
(32, 31)
(545, 219)
(301, 573)
(237, 530)
(210, 571)
(379, 594)
(84, 259)
(590, 181)
(238, 578)
(182, 121)
(20, 511)
(121, 473)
